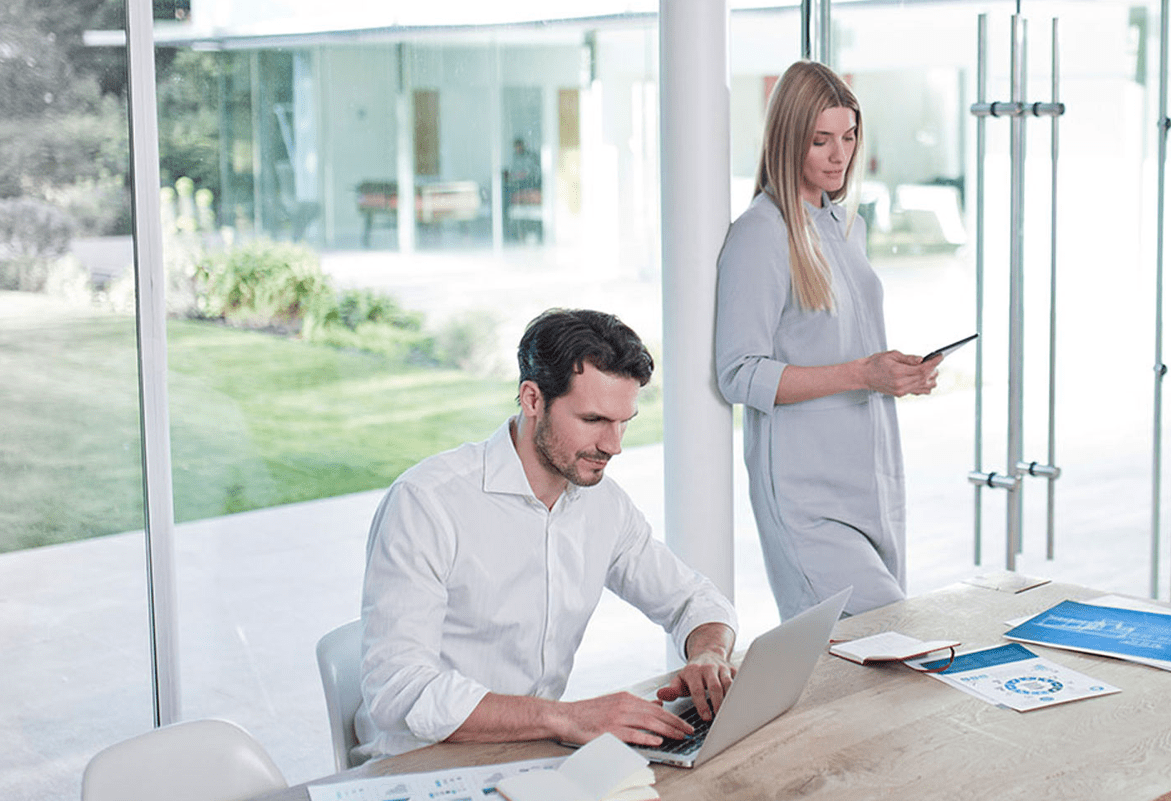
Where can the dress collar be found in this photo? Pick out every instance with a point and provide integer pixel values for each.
(827, 206)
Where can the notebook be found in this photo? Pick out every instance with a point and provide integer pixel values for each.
(771, 678)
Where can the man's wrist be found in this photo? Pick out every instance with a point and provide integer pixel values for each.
(552, 718)
(710, 638)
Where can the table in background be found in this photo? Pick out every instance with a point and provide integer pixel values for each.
(887, 732)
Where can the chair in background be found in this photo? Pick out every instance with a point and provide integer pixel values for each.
(339, 657)
(196, 760)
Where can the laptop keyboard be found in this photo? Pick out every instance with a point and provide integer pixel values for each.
(694, 740)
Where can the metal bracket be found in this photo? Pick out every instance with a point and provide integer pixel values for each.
(1039, 470)
(1016, 109)
(994, 480)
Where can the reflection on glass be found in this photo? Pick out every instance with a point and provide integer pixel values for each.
(76, 675)
(357, 227)
(917, 80)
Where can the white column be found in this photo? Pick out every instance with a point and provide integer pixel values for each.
(404, 114)
(696, 209)
(550, 161)
(152, 363)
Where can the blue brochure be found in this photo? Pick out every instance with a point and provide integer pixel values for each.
(1106, 630)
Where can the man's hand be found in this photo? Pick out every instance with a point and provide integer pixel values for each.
(628, 717)
(708, 674)
(511, 718)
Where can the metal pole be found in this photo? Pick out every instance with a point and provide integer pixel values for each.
(981, 145)
(1160, 368)
(1016, 294)
(257, 136)
(404, 114)
(807, 29)
(151, 319)
(823, 31)
(1051, 496)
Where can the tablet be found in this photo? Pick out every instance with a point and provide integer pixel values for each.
(946, 349)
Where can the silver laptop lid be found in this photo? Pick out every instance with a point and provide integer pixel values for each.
(771, 678)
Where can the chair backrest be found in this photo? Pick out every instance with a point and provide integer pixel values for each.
(339, 657)
(196, 760)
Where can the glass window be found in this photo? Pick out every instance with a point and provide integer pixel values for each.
(362, 235)
(72, 559)
(914, 70)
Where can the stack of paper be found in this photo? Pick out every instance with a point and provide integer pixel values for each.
(1006, 581)
(605, 769)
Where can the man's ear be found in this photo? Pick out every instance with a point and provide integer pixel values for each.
(532, 402)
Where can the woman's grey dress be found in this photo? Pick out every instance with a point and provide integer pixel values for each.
(825, 475)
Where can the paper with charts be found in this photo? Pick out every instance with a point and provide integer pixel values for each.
(1013, 676)
(1138, 635)
(455, 784)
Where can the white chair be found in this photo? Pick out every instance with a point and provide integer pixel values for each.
(339, 658)
(196, 760)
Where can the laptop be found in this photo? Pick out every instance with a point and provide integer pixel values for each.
(771, 678)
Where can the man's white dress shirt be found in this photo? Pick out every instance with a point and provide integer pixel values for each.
(473, 585)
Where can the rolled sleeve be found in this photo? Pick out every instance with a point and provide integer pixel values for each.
(752, 288)
(408, 694)
(443, 705)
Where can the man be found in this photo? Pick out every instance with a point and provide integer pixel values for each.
(525, 170)
(485, 563)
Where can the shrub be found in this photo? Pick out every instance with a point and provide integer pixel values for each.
(263, 284)
(361, 319)
(469, 341)
(33, 234)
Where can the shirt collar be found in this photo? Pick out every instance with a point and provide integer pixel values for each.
(503, 471)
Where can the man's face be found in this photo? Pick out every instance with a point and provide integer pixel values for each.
(577, 433)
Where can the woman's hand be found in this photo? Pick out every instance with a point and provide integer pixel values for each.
(889, 372)
(899, 374)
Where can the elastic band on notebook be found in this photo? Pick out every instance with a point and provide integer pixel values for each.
(943, 669)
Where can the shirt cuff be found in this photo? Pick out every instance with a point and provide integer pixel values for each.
(762, 389)
(694, 618)
(443, 706)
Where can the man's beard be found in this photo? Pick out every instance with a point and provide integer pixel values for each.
(542, 443)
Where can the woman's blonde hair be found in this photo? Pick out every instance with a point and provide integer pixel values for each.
(805, 90)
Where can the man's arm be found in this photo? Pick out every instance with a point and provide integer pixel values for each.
(708, 673)
(408, 692)
(706, 677)
(510, 718)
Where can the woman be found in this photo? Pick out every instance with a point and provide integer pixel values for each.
(801, 342)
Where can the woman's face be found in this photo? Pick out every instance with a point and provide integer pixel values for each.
(830, 152)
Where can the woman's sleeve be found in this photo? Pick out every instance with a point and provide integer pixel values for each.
(752, 286)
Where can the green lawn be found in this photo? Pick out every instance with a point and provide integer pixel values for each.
(256, 420)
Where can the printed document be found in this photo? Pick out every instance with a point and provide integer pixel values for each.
(455, 784)
(1013, 676)
(1133, 634)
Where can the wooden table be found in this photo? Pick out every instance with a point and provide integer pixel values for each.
(887, 732)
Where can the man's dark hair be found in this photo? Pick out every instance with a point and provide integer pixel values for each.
(559, 342)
